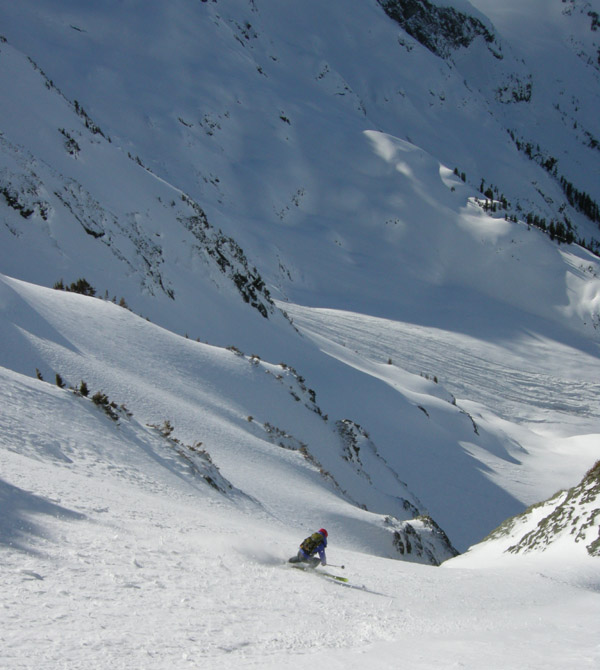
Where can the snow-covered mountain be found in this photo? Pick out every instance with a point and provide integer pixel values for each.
(147, 515)
(334, 254)
(568, 518)
(314, 154)
(253, 412)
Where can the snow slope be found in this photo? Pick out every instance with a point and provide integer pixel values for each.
(414, 430)
(216, 165)
(440, 262)
(259, 421)
(118, 552)
(115, 555)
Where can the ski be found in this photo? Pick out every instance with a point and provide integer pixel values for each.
(320, 573)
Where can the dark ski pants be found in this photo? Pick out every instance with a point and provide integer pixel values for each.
(311, 561)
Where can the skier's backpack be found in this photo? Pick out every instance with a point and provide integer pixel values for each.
(311, 543)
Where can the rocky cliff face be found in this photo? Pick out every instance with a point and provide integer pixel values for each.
(421, 540)
(442, 30)
(571, 516)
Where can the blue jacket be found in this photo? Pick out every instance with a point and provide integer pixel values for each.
(319, 549)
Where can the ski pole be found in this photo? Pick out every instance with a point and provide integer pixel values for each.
(333, 565)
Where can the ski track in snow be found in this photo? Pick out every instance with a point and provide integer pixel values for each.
(524, 381)
(539, 395)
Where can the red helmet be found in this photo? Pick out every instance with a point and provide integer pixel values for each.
(323, 532)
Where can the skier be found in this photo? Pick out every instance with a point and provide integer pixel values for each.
(313, 544)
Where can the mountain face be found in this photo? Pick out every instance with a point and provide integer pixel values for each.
(135, 398)
(309, 154)
(568, 520)
(232, 170)
(576, 513)
(442, 30)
